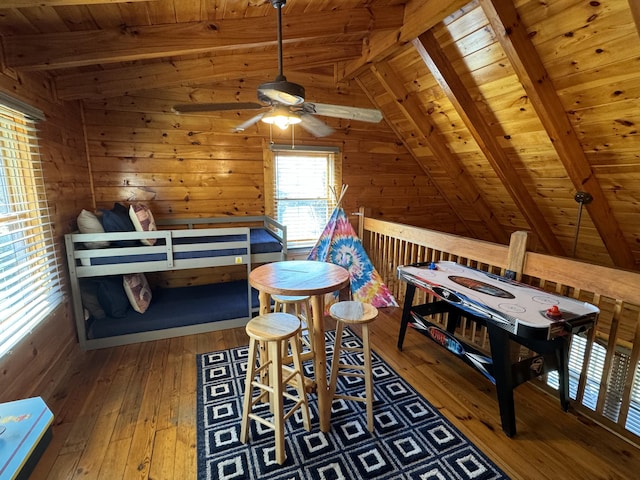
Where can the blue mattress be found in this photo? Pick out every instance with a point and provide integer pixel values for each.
(264, 241)
(178, 307)
(261, 240)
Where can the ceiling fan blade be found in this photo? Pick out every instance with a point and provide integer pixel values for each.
(315, 126)
(253, 120)
(215, 107)
(352, 113)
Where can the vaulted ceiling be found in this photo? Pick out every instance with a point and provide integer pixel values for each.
(512, 108)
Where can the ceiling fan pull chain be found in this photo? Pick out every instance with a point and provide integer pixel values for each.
(293, 137)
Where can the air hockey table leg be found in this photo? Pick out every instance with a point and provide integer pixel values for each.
(406, 313)
(562, 359)
(500, 353)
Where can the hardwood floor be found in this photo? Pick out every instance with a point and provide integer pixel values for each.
(129, 412)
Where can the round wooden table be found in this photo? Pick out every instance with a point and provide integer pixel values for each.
(304, 277)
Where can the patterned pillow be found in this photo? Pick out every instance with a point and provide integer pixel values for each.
(89, 223)
(143, 221)
(138, 291)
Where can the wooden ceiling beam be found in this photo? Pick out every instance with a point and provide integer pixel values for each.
(635, 12)
(81, 48)
(60, 3)
(419, 16)
(448, 79)
(426, 132)
(126, 80)
(522, 54)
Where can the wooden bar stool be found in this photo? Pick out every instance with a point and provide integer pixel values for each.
(273, 331)
(353, 313)
(300, 306)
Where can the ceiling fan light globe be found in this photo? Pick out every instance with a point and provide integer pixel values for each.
(281, 118)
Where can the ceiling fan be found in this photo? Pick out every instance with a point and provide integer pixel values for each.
(284, 102)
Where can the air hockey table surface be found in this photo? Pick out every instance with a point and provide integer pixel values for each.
(521, 309)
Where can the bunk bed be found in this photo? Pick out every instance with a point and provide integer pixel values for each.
(98, 263)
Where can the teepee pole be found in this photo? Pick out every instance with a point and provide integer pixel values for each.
(342, 192)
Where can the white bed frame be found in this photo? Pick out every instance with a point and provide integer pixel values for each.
(79, 265)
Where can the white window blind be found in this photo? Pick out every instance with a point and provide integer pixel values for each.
(593, 381)
(30, 281)
(633, 417)
(303, 199)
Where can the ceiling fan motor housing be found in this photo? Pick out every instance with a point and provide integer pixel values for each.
(281, 91)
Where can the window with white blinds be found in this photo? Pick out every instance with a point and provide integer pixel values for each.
(303, 199)
(615, 389)
(633, 417)
(30, 281)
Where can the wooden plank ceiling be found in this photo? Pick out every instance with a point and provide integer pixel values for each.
(509, 107)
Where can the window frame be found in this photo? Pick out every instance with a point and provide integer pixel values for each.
(333, 185)
(31, 284)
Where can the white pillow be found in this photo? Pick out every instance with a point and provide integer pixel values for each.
(89, 223)
(138, 291)
(142, 219)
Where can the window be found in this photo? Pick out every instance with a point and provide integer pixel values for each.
(29, 276)
(594, 376)
(302, 196)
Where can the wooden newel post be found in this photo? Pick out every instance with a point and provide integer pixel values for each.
(517, 254)
(360, 223)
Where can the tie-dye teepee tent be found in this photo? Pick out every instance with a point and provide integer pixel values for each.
(339, 244)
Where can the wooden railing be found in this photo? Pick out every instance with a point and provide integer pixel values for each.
(604, 363)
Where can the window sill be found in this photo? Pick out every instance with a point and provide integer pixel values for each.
(298, 253)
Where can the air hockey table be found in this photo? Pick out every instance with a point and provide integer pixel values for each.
(538, 320)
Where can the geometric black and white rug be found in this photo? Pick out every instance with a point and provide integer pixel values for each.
(411, 439)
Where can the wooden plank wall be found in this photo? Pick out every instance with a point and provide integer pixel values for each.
(63, 152)
(191, 165)
(194, 165)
